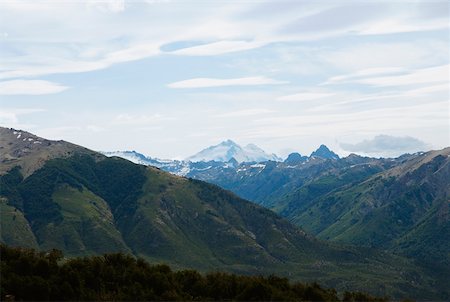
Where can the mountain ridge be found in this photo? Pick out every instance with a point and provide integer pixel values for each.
(227, 159)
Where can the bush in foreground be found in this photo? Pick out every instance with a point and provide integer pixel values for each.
(30, 275)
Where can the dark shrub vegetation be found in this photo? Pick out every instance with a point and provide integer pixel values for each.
(30, 275)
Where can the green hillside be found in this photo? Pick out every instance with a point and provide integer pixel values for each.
(383, 210)
(404, 210)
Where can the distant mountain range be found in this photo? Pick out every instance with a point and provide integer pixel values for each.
(399, 204)
(54, 194)
(225, 155)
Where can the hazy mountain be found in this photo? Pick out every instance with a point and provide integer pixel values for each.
(324, 152)
(177, 167)
(87, 203)
(295, 159)
(133, 156)
(227, 150)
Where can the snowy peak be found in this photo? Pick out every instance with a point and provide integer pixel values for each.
(228, 142)
(228, 149)
(173, 166)
(132, 156)
(324, 152)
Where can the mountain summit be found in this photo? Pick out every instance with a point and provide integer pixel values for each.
(228, 149)
(324, 152)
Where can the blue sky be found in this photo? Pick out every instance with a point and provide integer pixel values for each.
(168, 78)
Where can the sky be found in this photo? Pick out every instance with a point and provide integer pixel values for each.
(169, 78)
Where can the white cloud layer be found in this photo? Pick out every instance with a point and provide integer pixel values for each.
(120, 31)
(12, 117)
(211, 82)
(30, 87)
(438, 74)
(304, 96)
(218, 48)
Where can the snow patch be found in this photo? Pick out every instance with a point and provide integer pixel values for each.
(258, 166)
(184, 171)
(203, 169)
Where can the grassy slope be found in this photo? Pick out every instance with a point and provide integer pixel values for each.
(87, 226)
(187, 227)
(384, 208)
(308, 194)
(405, 210)
(14, 228)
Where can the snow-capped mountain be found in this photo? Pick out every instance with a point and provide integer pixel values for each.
(225, 158)
(132, 156)
(228, 149)
(178, 167)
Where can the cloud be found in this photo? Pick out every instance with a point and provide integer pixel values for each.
(394, 26)
(59, 65)
(365, 19)
(363, 73)
(212, 82)
(429, 90)
(217, 48)
(114, 6)
(421, 76)
(386, 55)
(387, 145)
(336, 18)
(304, 96)
(11, 117)
(53, 40)
(402, 120)
(420, 16)
(34, 87)
(245, 112)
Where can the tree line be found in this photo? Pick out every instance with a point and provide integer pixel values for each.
(27, 274)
